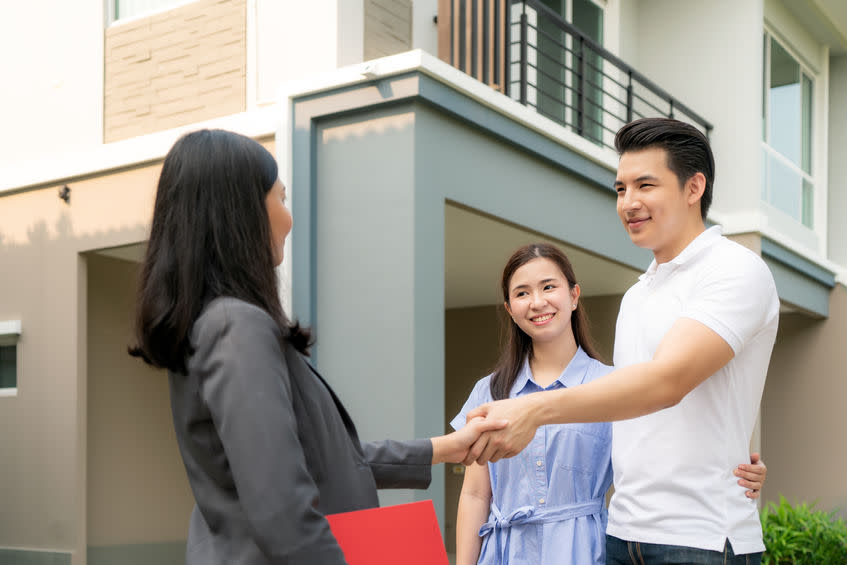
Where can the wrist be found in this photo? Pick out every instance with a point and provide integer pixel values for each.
(439, 449)
(538, 408)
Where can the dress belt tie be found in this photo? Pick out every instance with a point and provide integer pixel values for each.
(500, 524)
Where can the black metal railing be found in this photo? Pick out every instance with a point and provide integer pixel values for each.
(552, 66)
(568, 77)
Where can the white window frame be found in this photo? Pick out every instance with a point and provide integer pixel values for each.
(814, 58)
(111, 11)
(769, 151)
(10, 333)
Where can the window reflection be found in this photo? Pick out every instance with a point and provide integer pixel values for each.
(787, 155)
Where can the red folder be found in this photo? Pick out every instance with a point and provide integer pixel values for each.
(405, 533)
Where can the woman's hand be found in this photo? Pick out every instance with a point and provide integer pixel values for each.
(454, 447)
(752, 475)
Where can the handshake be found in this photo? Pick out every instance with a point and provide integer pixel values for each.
(493, 431)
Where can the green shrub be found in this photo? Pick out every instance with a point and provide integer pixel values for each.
(801, 535)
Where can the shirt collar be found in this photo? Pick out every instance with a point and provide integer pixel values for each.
(698, 244)
(574, 374)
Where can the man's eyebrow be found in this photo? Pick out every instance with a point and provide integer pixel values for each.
(646, 177)
(639, 179)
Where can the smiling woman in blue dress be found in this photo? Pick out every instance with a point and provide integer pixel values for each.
(546, 505)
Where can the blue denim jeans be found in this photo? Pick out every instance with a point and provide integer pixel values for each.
(620, 552)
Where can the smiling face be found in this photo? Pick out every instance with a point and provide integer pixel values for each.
(541, 301)
(658, 213)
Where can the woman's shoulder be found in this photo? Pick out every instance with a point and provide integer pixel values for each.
(226, 315)
(597, 369)
(232, 310)
(482, 389)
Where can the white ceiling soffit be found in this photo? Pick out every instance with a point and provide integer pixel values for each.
(477, 247)
(825, 19)
(134, 252)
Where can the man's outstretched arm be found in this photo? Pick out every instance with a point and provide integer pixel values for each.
(689, 354)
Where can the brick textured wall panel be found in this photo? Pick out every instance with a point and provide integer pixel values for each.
(388, 27)
(175, 68)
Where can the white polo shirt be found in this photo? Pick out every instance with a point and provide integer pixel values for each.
(673, 468)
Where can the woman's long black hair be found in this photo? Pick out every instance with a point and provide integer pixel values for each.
(210, 237)
(518, 345)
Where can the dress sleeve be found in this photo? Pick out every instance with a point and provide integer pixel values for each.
(479, 395)
(244, 381)
(400, 464)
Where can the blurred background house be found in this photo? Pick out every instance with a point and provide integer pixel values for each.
(421, 142)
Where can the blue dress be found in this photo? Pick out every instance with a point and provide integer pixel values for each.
(548, 503)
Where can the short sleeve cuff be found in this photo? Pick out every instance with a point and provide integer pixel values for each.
(711, 322)
(459, 421)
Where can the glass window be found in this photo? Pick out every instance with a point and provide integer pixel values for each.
(788, 88)
(130, 8)
(588, 18)
(8, 366)
(564, 94)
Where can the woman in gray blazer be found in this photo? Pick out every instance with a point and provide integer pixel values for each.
(268, 447)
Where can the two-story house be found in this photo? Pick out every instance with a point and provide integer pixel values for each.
(421, 142)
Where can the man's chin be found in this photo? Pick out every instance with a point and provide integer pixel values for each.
(638, 239)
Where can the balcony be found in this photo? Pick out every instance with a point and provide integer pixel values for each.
(525, 50)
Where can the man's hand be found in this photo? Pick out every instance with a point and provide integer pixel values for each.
(752, 475)
(508, 442)
(453, 447)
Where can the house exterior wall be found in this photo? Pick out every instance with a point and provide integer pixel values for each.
(803, 409)
(471, 349)
(53, 64)
(175, 67)
(297, 40)
(132, 458)
(837, 236)
(388, 27)
(365, 273)
(44, 426)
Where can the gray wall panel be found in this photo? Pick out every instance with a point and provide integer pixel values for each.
(490, 175)
(798, 289)
(365, 271)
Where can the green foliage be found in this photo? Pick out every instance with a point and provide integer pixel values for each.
(801, 535)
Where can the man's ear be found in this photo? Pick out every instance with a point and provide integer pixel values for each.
(695, 187)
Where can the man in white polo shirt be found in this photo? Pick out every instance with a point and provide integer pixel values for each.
(693, 341)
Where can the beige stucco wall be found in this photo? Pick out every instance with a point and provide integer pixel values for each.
(174, 68)
(42, 430)
(472, 337)
(803, 409)
(137, 490)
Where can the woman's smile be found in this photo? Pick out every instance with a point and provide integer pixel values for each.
(542, 319)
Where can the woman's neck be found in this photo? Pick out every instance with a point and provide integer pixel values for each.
(549, 359)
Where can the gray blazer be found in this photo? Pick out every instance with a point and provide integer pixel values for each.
(269, 449)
